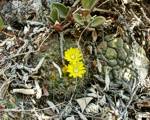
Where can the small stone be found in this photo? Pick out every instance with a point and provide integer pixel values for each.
(116, 43)
(120, 62)
(111, 76)
(127, 74)
(112, 63)
(102, 47)
(129, 60)
(120, 43)
(122, 54)
(127, 49)
(109, 37)
(92, 108)
(106, 67)
(117, 67)
(111, 53)
(116, 74)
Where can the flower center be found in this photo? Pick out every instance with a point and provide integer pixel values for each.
(76, 70)
(73, 56)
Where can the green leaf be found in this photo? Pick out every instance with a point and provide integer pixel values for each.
(1, 23)
(99, 20)
(62, 9)
(78, 19)
(10, 105)
(7, 104)
(54, 15)
(88, 4)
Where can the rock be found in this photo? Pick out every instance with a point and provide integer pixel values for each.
(111, 53)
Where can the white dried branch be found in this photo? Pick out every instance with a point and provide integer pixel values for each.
(53, 107)
(24, 91)
(82, 116)
(58, 68)
(37, 115)
(107, 79)
(4, 88)
(136, 22)
(23, 47)
(38, 66)
(31, 110)
(36, 23)
(38, 90)
(9, 42)
(145, 16)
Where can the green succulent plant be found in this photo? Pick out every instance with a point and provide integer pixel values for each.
(58, 12)
(85, 18)
(88, 4)
(1, 23)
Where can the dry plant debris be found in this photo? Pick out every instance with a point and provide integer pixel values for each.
(71, 60)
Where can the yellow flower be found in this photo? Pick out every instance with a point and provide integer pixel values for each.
(65, 68)
(73, 55)
(76, 69)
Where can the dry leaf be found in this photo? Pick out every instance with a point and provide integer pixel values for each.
(92, 89)
(82, 116)
(102, 101)
(92, 95)
(92, 108)
(83, 102)
(53, 107)
(70, 118)
(94, 35)
(45, 90)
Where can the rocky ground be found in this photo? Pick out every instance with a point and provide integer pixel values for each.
(114, 39)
